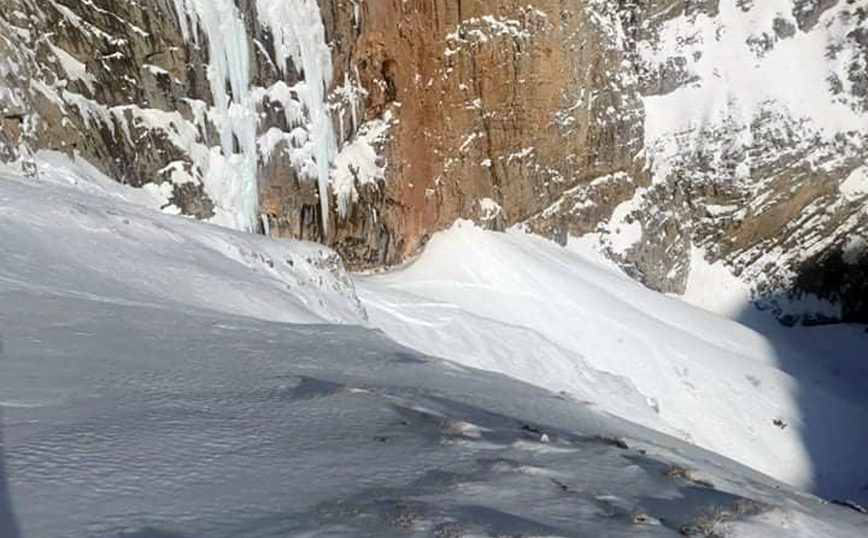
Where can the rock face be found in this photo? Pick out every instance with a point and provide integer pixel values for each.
(501, 108)
(658, 126)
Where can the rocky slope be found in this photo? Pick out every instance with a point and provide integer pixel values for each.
(659, 126)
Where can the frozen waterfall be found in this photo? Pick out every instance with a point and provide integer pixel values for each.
(299, 36)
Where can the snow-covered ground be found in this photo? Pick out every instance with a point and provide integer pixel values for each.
(164, 377)
(76, 231)
(561, 319)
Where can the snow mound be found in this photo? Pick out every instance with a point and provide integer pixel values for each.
(99, 244)
(520, 305)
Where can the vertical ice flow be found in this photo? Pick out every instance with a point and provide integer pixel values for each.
(299, 36)
(234, 191)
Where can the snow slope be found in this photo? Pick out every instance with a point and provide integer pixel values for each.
(130, 420)
(164, 378)
(559, 318)
(79, 232)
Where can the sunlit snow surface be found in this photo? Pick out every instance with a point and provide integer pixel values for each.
(165, 378)
(559, 318)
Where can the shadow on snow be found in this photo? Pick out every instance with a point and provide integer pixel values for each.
(829, 363)
(8, 523)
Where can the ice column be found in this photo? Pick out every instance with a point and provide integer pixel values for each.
(234, 191)
(299, 36)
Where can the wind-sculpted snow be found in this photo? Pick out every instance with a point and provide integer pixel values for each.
(151, 387)
(564, 319)
(99, 245)
(127, 420)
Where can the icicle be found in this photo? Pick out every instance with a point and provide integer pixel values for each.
(234, 115)
(353, 100)
(299, 35)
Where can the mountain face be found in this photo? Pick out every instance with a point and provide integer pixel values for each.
(667, 129)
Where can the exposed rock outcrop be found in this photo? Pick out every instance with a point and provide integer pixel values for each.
(658, 126)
